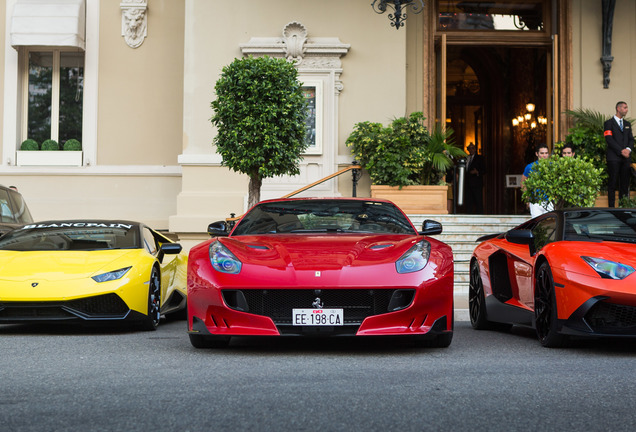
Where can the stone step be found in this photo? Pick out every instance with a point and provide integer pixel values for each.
(460, 232)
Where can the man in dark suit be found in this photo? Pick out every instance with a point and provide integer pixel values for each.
(620, 144)
(475, 171)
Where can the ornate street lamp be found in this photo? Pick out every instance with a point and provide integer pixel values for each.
(399, 9)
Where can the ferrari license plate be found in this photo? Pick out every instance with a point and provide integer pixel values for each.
(317, 317)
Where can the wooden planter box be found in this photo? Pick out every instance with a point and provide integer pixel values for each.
(415, 199)
(49, 158)
(601, 200)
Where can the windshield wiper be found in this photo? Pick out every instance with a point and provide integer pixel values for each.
(317, 230)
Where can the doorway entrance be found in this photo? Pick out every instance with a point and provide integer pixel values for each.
(497, 98)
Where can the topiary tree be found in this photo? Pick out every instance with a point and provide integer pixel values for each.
(260, 115)
(72, 145)
(29, 145)
(50, 145)
(563, 181)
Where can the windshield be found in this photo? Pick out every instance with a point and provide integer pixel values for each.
(72, 236)
(324, 216)
(599, 225)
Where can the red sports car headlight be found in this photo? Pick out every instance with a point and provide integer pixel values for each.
(609, 269)
(223, 260)
(414, 259)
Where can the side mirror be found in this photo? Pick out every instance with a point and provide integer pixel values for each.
(171, 248)
(431, 227)
(168, 249)
(218, 229)
(522, 237)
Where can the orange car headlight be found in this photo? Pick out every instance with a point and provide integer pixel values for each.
(609, 269)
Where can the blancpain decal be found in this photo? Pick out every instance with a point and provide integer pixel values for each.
(78, 225)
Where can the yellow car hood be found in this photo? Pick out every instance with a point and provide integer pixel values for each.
(63, 265)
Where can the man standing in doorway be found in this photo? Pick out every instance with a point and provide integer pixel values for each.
(620, 144)
(475, 170)
(537, 209)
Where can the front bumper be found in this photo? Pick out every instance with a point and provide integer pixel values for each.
(427, 310)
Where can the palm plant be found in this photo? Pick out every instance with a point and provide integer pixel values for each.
(587, 138)
(439, 153)
(405, 152)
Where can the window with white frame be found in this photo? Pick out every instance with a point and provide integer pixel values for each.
(52, 94)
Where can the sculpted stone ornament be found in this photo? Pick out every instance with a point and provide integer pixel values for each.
(134, 21)
(294, 38)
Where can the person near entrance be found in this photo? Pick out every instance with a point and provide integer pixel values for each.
(537, 209)
(567, 150)
(620, 144)
(475, 169)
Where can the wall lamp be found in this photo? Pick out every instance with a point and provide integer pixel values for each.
(399, 9)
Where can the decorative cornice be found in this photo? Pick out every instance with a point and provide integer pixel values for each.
(294, 45)
(134, 21)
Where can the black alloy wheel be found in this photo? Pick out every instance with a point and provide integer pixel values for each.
(545, 309)
(477, 299)
(154, 304)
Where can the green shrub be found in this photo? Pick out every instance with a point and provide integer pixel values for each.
(50, 145)
(404, 153)
(72, 145)
(627, 202)
(29, 145)
(563, 181)
(588, 139)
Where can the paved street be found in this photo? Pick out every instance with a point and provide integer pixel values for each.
(70, 379)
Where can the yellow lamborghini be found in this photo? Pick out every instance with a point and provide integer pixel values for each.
(90, 270)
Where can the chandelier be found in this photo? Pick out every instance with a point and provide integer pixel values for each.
(528, 126)
(399, 9)
(528, 120)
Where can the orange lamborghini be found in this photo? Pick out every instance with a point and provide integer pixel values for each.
(565, 273)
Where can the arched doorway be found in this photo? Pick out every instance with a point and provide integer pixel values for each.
(487, 87)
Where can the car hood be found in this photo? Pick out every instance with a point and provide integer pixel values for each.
(609, 250)
(319, 252)
(60, 265)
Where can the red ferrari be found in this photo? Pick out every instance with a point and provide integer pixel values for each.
(565, 273)
(321, 267)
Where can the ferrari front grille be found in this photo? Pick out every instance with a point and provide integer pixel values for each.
(612, 318)
(357, 304)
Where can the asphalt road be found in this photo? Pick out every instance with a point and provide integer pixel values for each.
(74, 379)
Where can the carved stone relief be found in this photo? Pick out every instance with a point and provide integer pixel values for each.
(134, 21)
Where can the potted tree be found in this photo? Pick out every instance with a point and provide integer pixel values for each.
(260, 115)
(564, 182)
(407, 164)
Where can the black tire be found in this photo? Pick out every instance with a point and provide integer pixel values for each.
(477, 300)
(151, 322)
(545, 309)
(201, 341)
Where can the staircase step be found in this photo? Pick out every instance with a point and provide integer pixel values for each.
(460, 232)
